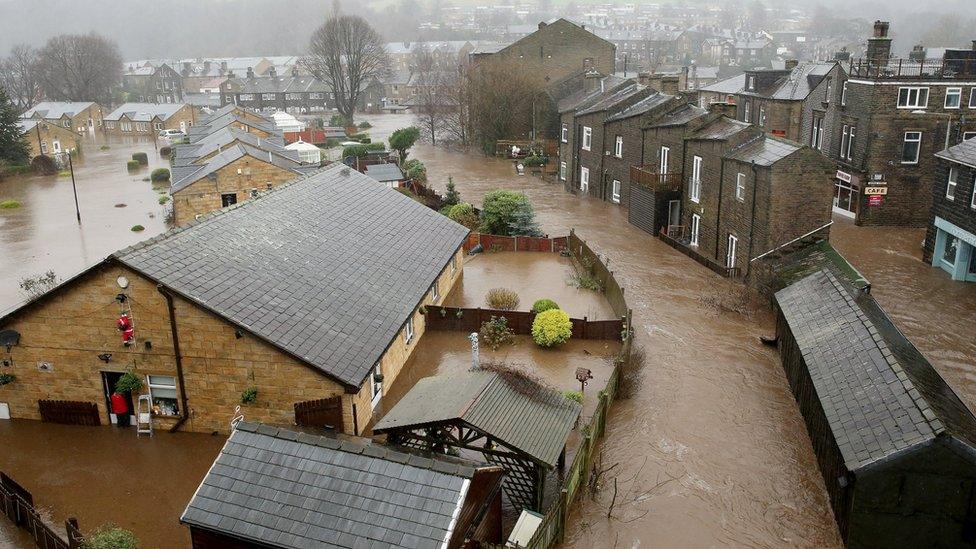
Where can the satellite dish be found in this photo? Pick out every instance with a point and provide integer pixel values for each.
(123, 282)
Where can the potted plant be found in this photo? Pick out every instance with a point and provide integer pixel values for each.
(128, 383)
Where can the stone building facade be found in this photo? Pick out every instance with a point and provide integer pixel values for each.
(44, 138)
(78, 116)
(950, 242)
(148, 119)
(153, 84)
(291, 93)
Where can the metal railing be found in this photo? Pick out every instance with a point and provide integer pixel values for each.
(648, 176)
(913, 68)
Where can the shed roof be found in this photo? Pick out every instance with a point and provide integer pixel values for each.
(963, 153)
(384, 172)
(318, 267)
(288, 489)
(513, 410)
(880, 396)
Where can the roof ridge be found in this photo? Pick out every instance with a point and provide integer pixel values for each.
(918, 400)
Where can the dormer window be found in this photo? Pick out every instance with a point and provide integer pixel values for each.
(750, 82)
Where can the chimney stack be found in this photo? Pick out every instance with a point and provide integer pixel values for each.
(223, 67)
(250, 73)
(542, 24)
(592, 80)
(725, 109)
(206, 68)
(918, 53)
(879, 45)
(670, 85)
(294, 71)
(791, 64)
(272, 72)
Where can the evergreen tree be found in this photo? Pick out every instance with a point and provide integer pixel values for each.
(13, 149)
(522, 221)
(451, 197)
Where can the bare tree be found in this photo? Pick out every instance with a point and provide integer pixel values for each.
(432, 78)
(18, 76)
(346, 53)
(79, 67)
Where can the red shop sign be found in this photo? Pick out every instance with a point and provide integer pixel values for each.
(875, 200)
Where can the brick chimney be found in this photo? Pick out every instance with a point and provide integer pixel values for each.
(918, 53)
(669, 85)
(791, 64)
(294, 71)
(592, 80)
(879, 45)
(250, 73)
(725, 109)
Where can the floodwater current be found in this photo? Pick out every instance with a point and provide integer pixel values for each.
(711, 451)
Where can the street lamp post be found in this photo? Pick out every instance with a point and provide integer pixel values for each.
(74, 187)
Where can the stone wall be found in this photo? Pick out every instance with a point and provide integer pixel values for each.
(558, 49)
(46, 134)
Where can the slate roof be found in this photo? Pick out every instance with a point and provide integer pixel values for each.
(515, 411)
(27, 125)
(720, 128)
(655, 99)
(609, 100)
(287, 489)
(764, 151)
(144, 112)
(228, 109)
(734, 84)
(963, 153)
(318, 267)
(682, 116)
(56, 109)
(213, 124)
(797, 84)
(872, 406)
(184, 175)
(385, 172)
(187, 153)
(583, 98)
(280, 84)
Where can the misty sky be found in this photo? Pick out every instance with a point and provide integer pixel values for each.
(189, 28)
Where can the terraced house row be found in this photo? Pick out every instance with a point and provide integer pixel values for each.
(721, 189)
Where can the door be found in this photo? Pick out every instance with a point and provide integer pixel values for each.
(674, 212)
(109, 379)
(730, 251)
(183, 126)
(57, 146)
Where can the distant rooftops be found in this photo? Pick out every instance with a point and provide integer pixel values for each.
(144, 112)
(56, 109)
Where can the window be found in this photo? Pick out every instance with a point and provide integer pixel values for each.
(762, 115)
(665, 159)
(408, 330)
(453, 264)
(750, 82)
(953, 179)
(587, 138)
(972, 201)
(843, 95)
(696, 179)
(562, 171)
(827, 92)
(913, 98)
(158, 125)
(376, 384)
(730, 250)
(747, 111)
(66, 123)
(435, 293)
(44, 147)
(817, 133)
(564, 134)
(953, 98)
(110, 125)
(972, 98)
(847, 143)
(584, 179)
(247, 96)
(618, 147)
(268, 96)
(162, 392)
(228, 199)
(615, 192)
(740, 187)
(951, 247)
(695, 223)
(968, 135)
(910, 149)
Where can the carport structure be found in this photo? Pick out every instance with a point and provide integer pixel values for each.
(511, 420)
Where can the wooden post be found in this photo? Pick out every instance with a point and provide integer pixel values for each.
(603, 407)
(516, 243)
(563, 515)
(75, 539)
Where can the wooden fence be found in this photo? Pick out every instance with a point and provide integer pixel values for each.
(492, 242)
(599, 268)
(466, 319)
(69, 412)
(17, 504)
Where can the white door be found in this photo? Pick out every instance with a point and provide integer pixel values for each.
(584, 179)
(57, 146)
(730, 251)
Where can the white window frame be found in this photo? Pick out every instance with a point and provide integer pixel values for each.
(972, 201)
(740, 187)
(375, 388)
(584, 179)
(158, 125)
(918, 150)
(408, 330)
(762, 116)
(972, 98)
(66, 123)
(618, 147)
(615, 192)
(435, 293)
(695, 226)
(747, 110)
(750, 82)
(267, 97)
(564, 133)
(587, 138)
(827, 91)
(843, 94)
(817, 134)
(562, 171)
(665, 160)
(968, 135)
(695, 191)
(957, 92)
(916, 103)
(151, 385)
(43, 147)
(952, 183)
(453, 263)
(731, 250)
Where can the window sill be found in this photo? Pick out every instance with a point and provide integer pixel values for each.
(910, 163)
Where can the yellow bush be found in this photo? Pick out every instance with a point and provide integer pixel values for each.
(551, 328)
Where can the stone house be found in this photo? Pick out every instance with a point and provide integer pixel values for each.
(289, 294)
(950, 243)
(153, 84)
(78, 116)
(233, 116)
(555, 50)
(45, 138)
(900, 113)
(294, 93)
(131, 119)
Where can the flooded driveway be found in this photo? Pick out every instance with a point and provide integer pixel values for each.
(44, 234)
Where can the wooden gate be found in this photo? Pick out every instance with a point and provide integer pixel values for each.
(69, 412)
(324, 413)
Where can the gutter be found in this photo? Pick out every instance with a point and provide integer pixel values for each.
(184, 410)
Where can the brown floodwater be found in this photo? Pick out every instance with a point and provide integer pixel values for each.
(44, 234)
(103, 474)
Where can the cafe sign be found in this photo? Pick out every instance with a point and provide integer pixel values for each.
(876, 191)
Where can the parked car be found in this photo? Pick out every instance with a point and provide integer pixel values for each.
(172, 135)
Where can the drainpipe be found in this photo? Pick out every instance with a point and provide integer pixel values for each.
(603, 157)
(184, 410)
(752, 215)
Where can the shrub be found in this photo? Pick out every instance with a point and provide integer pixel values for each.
(141, 158)
(364, 125)
(9, 204)
(377, 146)
(338, 120)
(464, 214)
(354, 150)
(249, 396)
(502, 299)
(575, 396)
(551, 328)
(104, 148)
(544, 305)
(585, 276)
(128, 383)
(109, 536)
(415, 170)
(138, 228)
(44, 165)
(6, 379)
(15, 170)
(159, 175)
(508, 213)
(132, 165)
(402, 139)
(165, 151)
(495, 332)
(535, 160)
(163, 199)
